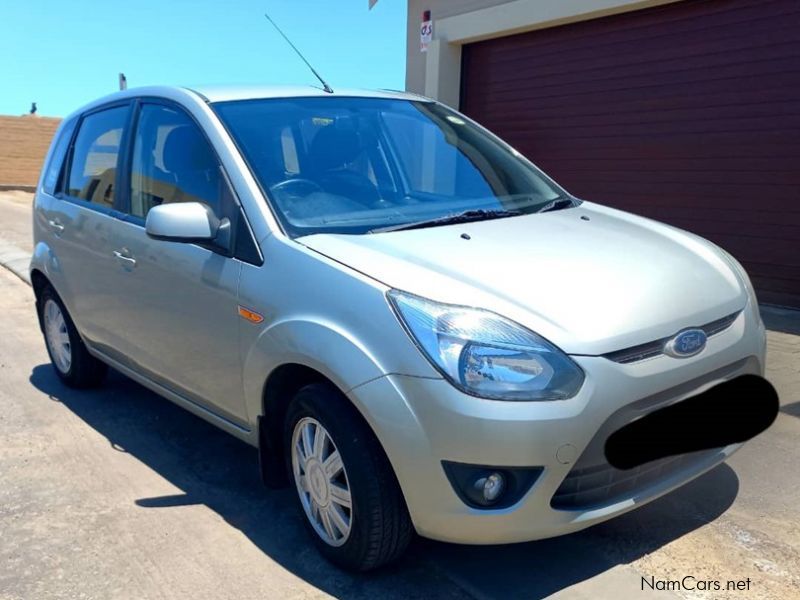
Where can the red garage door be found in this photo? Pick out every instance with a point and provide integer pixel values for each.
(688, 113)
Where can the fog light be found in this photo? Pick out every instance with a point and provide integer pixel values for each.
(491, 487)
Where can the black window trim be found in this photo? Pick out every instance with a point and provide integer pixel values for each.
(66, 166)
(124, 196)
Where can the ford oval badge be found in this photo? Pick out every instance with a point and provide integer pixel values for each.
(686, 343)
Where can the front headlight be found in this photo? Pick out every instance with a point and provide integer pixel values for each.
(748, 285)
(486, 355)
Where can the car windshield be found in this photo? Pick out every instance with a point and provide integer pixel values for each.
(362, 165)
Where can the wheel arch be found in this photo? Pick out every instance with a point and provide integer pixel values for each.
(294, 352)
(45, 272)
(280, 387)
(39, 282)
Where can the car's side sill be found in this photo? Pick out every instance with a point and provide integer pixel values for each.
(201, 411)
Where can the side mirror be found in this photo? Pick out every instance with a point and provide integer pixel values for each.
(187, 222)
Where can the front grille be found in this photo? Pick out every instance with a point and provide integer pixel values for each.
(656, 348)
(593, 483)
(603, 485)
(720, 325)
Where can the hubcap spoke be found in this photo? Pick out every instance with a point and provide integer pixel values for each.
(333, 464)
(338, 519)
(340, 496)
(326, 522)
(298, 449)
(308, 442)
(303, 481)
(319, 442)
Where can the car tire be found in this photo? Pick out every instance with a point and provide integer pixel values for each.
(68, 354)
(379, 526)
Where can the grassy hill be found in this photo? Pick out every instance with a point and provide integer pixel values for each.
(23, 144)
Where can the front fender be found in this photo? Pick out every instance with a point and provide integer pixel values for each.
(316, 344)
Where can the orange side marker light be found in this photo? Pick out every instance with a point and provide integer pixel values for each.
(250, 315)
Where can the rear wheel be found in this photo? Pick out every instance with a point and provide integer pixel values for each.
(68, 354)
(349, 496)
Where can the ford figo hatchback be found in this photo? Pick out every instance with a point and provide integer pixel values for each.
(418, 329)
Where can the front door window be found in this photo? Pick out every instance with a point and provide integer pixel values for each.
(172, 162)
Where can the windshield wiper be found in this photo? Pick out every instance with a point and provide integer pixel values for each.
(466, 216)
(557, 204)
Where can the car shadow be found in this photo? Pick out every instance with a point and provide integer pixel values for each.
(791, 409)
(216, 470)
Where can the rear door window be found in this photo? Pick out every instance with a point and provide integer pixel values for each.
(93, 166)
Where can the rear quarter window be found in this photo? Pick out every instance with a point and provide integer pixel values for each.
(55, 165)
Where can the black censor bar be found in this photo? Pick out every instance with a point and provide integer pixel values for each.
(728, 413)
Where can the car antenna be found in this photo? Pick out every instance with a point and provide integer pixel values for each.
(325, 86)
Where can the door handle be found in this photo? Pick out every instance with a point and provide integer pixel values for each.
(126, 259)
(55, 224)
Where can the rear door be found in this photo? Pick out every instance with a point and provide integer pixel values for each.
(176, 303)
(81, 221)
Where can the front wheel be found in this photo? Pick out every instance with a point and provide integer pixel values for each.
(348, 493)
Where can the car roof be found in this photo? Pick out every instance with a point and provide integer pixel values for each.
(224, 93)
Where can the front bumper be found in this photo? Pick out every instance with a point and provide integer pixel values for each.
(421, 422)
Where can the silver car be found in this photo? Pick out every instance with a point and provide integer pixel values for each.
(418, 329)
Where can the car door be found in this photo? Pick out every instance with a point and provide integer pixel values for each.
(81, 220)
(176, 303)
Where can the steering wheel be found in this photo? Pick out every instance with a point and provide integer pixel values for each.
(310, 186)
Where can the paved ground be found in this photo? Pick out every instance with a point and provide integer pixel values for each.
(15, 222)
(117, 493)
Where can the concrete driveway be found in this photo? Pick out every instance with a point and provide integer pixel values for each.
(117, 493)
(15, 222)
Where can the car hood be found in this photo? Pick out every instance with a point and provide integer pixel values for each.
(590, 279)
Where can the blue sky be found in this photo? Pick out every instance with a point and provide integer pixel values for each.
(62, 54)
